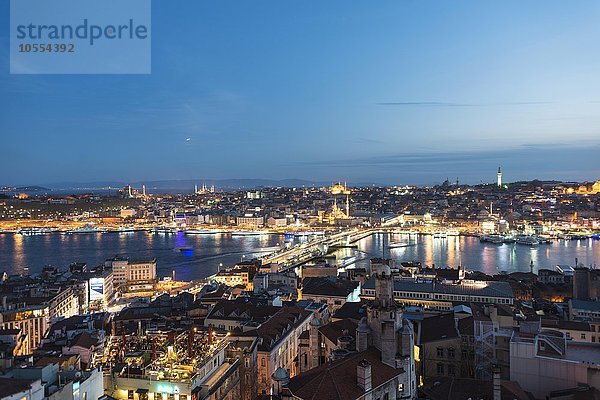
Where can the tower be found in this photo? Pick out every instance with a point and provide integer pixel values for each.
(384, 316)
(144, 190)
(313, 346)
(499, 177)
(195, 189)
(385, 328)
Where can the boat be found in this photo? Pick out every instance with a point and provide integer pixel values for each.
(494, 239)
(249, 233)
(509, 239)
(453, 232)
(34, 231)
(126, 229)
(200, 231)
(86, 229)
(440, 235)
(527, 240)
(164, 230)
(185, 250)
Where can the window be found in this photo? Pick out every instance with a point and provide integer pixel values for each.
(130, 394)
(450, 353)
(463, 353)
(401, 387)
(440, 369)
(583, 335)
(440, 352)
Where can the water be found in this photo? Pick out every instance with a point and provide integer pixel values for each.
(197, 256)
(470, 253)
(190, 256)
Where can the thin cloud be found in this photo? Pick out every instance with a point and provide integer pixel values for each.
(451, 104)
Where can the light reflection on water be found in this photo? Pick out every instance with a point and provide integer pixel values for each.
(474, 255)
(202, 254)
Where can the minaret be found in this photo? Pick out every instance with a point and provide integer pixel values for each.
(129, 191)
(144, 190)
(195, 189)
(499, 177)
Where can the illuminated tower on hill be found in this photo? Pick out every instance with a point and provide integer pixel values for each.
(499, 177)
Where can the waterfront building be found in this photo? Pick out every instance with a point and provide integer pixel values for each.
(250, 221)
(130, 275)
(441, 296)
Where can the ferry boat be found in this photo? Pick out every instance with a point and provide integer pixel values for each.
(527, 240)
(440, 235)
(86, 229)
(453, 232)
(249, 233)
(494, 239)
(164, 230)
(126, 229)
(205, 231)
(509, 239)
(34, 231)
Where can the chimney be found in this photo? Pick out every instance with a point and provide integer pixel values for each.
(363, 375)
(497, 386)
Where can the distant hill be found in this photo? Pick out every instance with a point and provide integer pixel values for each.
(25, 189)
(187, 185)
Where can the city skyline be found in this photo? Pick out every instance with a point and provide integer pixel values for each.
(400, 93)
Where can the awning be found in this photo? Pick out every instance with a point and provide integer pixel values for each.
(141, 391)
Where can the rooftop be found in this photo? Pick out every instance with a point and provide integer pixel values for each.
(338, 380)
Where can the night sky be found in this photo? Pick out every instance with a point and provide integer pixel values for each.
(395, 92)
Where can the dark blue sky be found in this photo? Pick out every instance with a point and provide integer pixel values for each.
(388, 91)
